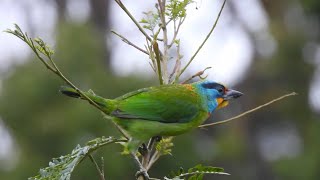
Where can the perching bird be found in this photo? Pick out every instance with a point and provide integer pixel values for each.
(166, 110)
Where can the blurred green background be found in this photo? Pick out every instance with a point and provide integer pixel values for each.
(278, 142)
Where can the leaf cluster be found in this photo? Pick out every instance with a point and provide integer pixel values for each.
(62, 167)
(150, 21)
(177, 8)
(38, 46)
(164, 146)
(195, 173)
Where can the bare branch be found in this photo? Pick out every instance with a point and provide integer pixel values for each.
(142, 174)
(123, 7)
(153, 63)
(101, 173)
(177, 66)
(158, 58)
(161, 10)
(130, 43)
(102, 167)
(40, 48)
(249, 111)
(205, 40)
(176, 30)
(153, 159)
(198, 74)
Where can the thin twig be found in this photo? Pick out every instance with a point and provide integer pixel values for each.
(102, 167)
(249, 111)
(123, 7)
(24, 37)
(205, 40)
(176, 30)
(153, 159)
(151, 56)
(101, 175)
(158, 59)
(117, 126)
(40, 48)
(177, 67)
(130, 43)
(198, 74)
(54, 68)
(148, 155)
(60, 74)
(164, 62)
(143, 174)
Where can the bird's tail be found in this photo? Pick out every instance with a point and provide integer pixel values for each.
(105, 104)
(69, 92)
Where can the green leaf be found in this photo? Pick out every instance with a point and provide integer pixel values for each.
(150, 21)
(195, 173)
(36, 43)
(177, 41)
(164, 146)
(177, 8)
(143, 21)
(43, 47)
(61, 168)
(196, 177)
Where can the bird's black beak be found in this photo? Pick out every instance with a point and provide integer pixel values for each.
(231, 94)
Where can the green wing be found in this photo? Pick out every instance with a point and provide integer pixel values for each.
(168, 104)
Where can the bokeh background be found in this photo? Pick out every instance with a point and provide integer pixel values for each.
(263, 48)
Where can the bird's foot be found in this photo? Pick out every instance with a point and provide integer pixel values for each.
(143, 150)
(158, 138)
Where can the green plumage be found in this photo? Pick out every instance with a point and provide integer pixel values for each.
(166, 110)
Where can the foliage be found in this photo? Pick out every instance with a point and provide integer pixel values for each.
(39, 46)
(150, 21)
(62, 167)
(174, 12)
(164, 146)
(177, 8)
(195, 173)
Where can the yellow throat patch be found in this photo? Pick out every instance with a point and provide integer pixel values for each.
(222, 103)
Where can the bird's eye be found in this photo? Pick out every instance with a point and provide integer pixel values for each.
(220, 90)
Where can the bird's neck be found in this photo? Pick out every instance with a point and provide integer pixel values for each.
(208, 100)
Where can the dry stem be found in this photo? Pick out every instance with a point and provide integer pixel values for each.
(249, 111)
(205, 40)
(130, 43)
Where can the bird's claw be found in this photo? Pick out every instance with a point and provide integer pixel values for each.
(143, 150)
(158, 138)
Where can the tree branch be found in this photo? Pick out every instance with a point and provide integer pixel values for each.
(158, 59)
(133, 19)
(177, 66)
(249, 111)
(101, 173)
(176, 30)
(198, 74)
(129, 43)
(164, 62)
(39, 47)
(142, 174)
(205, 40)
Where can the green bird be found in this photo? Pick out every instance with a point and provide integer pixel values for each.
(166, 110)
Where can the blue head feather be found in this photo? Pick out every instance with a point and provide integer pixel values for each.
(210, 91)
